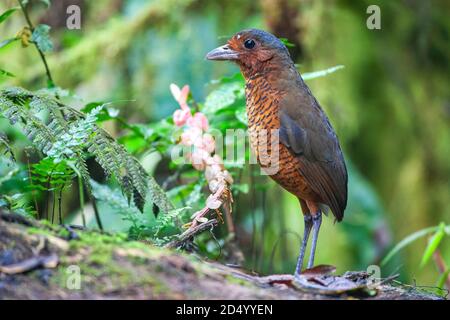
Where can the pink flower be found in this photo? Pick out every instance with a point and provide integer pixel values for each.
(215, 160)
(198, 159)
(208, 143)
(199, 120)
(180, 95)
(212, 172)
(191, 136)
(180, 116)
(227, 177)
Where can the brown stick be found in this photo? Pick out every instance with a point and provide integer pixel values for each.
(50, 261)
(192, 232)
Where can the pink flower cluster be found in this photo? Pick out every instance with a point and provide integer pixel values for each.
(195, 127)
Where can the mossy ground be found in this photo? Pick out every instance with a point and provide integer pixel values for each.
(110, 266)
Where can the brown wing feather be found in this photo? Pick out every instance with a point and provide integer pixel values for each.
(306, 131)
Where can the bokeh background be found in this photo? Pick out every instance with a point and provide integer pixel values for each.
(390, 106)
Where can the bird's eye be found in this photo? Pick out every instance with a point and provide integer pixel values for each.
(249, 43)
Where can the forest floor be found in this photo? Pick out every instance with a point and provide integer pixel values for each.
(43, 261)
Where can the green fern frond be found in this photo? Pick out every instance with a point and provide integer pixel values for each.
(49, 176)
(69, 133)
(115, 199)
(8, 150)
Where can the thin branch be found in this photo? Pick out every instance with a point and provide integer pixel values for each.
(97, 214)
(33, 192)
(192, 232)
(81, 198)
(41, 54)
(59, 205)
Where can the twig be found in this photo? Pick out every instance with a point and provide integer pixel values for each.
(59, 205)
(53, 206)
(33, 192)
(192, 232)
(50, 261)
(81, 197)
(170, 179)
(97, 214)
(222, 192)
(41, 54)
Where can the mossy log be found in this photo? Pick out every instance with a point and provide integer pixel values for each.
(43, 261)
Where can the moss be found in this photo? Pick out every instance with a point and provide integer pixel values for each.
(63, 233)
(96, 238)
(45, 227)
(241, 282)
(110, 263)
(103, 270)
(40, 231)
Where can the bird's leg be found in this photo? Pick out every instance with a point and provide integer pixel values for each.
(316, 221)
(308, 225)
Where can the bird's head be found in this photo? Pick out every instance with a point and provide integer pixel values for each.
(253, 50)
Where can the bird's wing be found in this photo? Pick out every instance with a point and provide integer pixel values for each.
(307, 133)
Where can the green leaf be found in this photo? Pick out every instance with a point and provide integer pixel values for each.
(46, 2)
(244, 187)
(442, 279)
(433, 244)
(6, 42)
(114, 198)
(223, 97)
(237, 77)
(241, 115)
(6, 73)
(287, 43)
(5, 15)
(321, 73)
(42, 38)
(408, 240)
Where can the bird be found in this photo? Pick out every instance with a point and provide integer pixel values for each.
(310, 163)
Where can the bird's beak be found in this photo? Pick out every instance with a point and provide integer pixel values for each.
(222, 53)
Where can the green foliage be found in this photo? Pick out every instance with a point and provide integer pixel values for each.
(442, 279)
(433, 244)
(160, 229)
(438, 234)
(13, 188)
(49, 175)
(389, 109)
(5, 15)
(68, 134)
(287, 43)
(321, 73)
(77, 134)
(438, 231)
(116, 200)
(6, 42)
(42, 39)
(226, 95)
(5, 73)
(8, 149)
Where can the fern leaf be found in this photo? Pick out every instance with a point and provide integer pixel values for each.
(69, 133)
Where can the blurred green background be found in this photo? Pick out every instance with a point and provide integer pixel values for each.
(390, 106)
